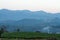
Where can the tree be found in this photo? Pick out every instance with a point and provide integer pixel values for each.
(2, 30)
(18, 30)
(38, 31)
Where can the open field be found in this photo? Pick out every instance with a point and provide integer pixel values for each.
(21, 39)
(28, 36)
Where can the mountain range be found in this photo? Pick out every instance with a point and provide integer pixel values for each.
(27, 20)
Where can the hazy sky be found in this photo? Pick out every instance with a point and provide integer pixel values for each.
(34, 5)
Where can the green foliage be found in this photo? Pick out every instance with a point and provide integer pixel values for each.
(1, 31)
(29, 35)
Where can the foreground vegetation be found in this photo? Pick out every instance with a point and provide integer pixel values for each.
(26, 35)
(29, 35)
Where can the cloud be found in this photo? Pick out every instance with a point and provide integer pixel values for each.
(46, 29)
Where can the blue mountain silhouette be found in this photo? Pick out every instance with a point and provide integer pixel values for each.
(29, 20)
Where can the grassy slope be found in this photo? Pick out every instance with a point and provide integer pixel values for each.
(29, 35)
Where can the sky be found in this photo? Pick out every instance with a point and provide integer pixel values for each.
(33, 5)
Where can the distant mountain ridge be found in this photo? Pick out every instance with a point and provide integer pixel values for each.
(21, 14)
(30, 21)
